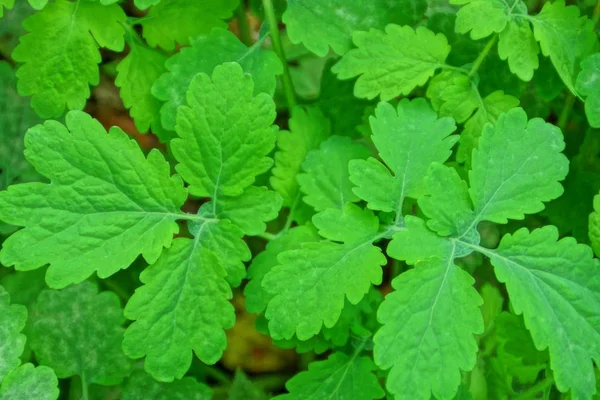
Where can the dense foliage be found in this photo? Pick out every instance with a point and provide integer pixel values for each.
(341, 199)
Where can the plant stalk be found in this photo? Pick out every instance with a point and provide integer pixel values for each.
(537, 388)
(566, 111)
(484, 53)
(288, 86)
(244, 25)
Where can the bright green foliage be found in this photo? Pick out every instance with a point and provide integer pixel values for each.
(141, 386)
(319, 24)
(595, 226)
(225, 133)
(565, 37)
(135, 75)
(15, 118)
(183, 305)
(8, 4)
(414, 336)
(78, 331)
(12, 320)
(453, 95)
(408, 140)
(176, 21)
(555, 285)
(325, 181)
(60, 54)
(588, 85)
(102, 209)
(324, 274)
(518, 46)
(204, 54)
(29, 382)
(392, 62)
(143, 4)
(308, 128)
(339, 377)
(484, 17)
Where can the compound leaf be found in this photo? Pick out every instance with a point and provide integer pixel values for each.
(176, 21)
(393, 62)
(60, 54)
(319, 24)
(225, 133)
(428, 326)
(105, 205)
(339, 377)
(78, 331)
(555, 285)
(205, 53)
(183, 306)
(325, 180)
(408, 138)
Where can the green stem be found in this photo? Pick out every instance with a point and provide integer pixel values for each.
(396, 268)
(486, 50)
(288, 86)
(267, 236)
(84, 388)
(566, 111)
(243, 24)
(537, 388)
(215, 373)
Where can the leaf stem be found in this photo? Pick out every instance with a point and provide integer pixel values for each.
(486, 50)
(539, 387)
(566, 111)
(84, 388)
(288, 86)
(267, 236)
(243, 24)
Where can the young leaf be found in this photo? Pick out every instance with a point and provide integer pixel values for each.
(29, 382)
(141, 386)
(565, 37)
(325, 180)
(135, 75)
(105, 205)
(176, 21)
(339, 377)
(60, 54)
(453, 94)
(87, 342)
(428, 326)
(12, 320)
(183, 305)
(319, 24)
(393, 62)
(205, 53)
(324, 274)
(408, 139)
(588, 85)
(518, 46)
(308, 128)
(555, 285)
(484, 17)
(225, 133)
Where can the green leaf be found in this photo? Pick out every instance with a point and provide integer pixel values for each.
(205, 53)
(15, 118)
(29, 382)
(8, 4)
(393, 62)
(319, 24)
(416, 243)
(588, 85)
(325, 180)
(225, 133)
(141, 386)
(504, 187)
(518, 46)
(339, 377)
(143, 4)
(453, 95)
(565, 37)
(257, 297)
(308, 128)
(594, 223)
(176, 21)
(242, 388)
(12, 319)
(60, 54)
(555, 285)
(484, 17)
(428, 326)
(309, 286)
(105, 205)
(87, 342)
(408, 140)
(37, 4)
(491, 107)
(135, 75)
(183, 306)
